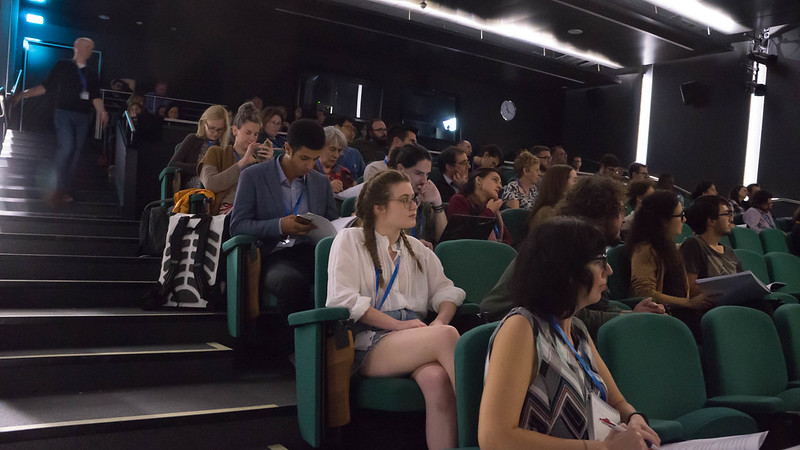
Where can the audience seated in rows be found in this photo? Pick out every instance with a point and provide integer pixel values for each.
(736, 199)
(480, 196)
(752, 188)
(657, 270)
(490, 156)
(351, 158)
(339, 176)
(523, 190)
(219, 169)
(759, 215)
(213, 129)
(269, 200)
(610, 166)
(397, 137)
(415, 162)
(373, 145)
(555, 184)
(704, 187)
(597, 200)
(272, 119)
(389, 282)
(539, 353)
(454, 166)
(794, 235)
(637, 191)
(638, 171)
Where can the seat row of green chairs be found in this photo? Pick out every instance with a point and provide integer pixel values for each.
(766, 241)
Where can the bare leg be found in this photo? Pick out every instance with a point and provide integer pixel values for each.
(441, 424)
(402, 352)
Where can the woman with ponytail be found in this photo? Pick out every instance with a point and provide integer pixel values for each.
(390, 281)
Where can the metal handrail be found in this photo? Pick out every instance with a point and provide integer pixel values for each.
(127, 117)
(16, 83)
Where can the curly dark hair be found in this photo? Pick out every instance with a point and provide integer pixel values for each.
(596, 199)
(551, 267)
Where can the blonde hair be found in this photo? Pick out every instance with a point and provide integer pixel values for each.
(216, 112)
(524, 160)
(377, 191)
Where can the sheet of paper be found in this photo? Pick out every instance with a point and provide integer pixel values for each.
(349, 192)
(741, 442)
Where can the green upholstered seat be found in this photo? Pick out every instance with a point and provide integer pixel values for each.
(686, 231)
(470, 359)
(745, 368)
(746, 238)
(773, 240)
(784, 267)
(474, 265)
(516, 220)
(784, 223)
(680, 411)
(787, 322)
(756, 263)
(726, 241)
(348, 207)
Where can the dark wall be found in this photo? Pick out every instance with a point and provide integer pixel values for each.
(603, 120)
(780, 141)
(231, 54)
(706, 141)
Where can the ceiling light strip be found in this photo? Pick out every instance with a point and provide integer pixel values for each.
(754, 125)
(645, 105)
(701, 13)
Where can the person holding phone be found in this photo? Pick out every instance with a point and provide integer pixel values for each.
(220, 167)
(269, 199)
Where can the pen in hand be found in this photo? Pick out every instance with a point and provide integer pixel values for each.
(617, 427)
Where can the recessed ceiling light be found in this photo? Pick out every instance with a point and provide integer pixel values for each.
(703, 13)
(574, 31)
(140, 23)
(104, 17)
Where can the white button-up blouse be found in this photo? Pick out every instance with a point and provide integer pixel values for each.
(351, 276)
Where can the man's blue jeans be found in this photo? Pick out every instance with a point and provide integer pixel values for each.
(72, 127)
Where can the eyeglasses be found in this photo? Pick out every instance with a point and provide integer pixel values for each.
(276, 123)
(463, 163)
(406, 201)
(603, 259)
(725, 214)
(214, 129)
(681, 215)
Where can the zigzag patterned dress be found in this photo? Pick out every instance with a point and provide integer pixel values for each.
(558, 403)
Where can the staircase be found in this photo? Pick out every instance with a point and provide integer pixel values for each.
(81, 364)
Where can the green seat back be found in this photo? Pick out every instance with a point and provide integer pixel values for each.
(516, 220)
(474, 265)
(746, 238)
(507, 175)
(755, 263)
(470, 360)
(348, 207)
(784, 267)
(686, 231)
(784, 223)
(321, 254)
(742, 352)
(773, 240)
(726, 241)
(620, 280)
(676, 363)
(787, 321)
(738, 219)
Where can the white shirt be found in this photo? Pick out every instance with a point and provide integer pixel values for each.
(374, 168)
(351, 276)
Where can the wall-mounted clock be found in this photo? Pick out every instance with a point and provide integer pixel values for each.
(508, 110)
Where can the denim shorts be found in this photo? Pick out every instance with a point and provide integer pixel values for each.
(366, 337)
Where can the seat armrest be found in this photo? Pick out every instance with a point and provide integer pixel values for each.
(168, 171)
(468, 309)
(237, 241)
(318, 315)
(632, 301)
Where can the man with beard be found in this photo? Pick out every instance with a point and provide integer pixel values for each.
(415, 161)
(597, 200)
(373, 145)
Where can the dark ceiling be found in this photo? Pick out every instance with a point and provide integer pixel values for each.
(629, 33)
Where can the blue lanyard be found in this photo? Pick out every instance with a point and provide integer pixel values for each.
(389, 286)
(585, 366)
(296, 205)
(236, 154)
(497, 231)
(83, 77)
(386, 160)
(319, 164)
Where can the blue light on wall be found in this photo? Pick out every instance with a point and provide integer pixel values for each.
(38, 1)
(34, 18)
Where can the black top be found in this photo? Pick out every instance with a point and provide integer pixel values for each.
(699, 258)
(65, 81)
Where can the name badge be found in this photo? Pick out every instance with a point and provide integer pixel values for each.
(85, 95)
(601, 410)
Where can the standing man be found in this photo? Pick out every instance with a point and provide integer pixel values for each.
(373, 145)
(77, 90)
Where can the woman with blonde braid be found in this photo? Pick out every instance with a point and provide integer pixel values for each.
(389, 282)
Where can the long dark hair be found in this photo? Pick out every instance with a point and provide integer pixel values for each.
(650, 226)
(377, 191)
(551, 266)
(552, 188)
(469, 187)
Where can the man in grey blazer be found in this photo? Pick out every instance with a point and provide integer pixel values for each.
(269, 198)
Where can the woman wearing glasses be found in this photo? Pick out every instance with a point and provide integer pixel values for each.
(272, 119)
(212, 129)
(390, 282)
(657, 269)
(539, 356)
